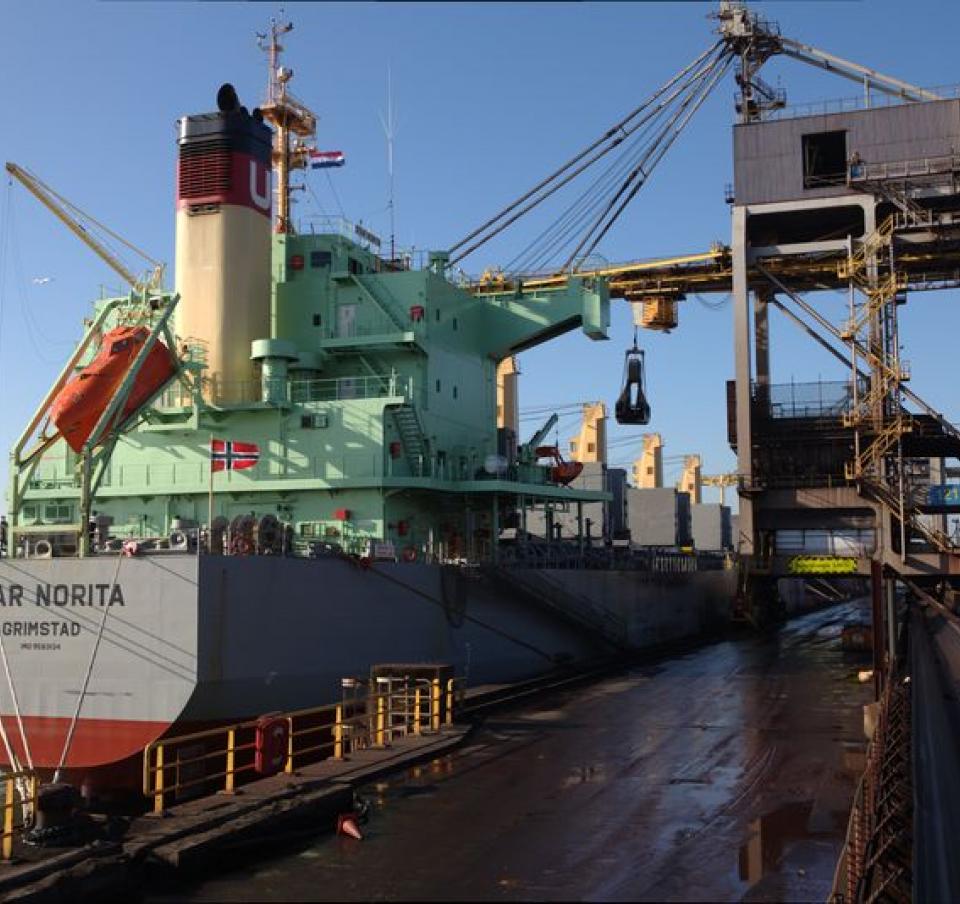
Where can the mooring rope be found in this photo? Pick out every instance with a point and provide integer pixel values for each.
(86, 680)
(16, 708)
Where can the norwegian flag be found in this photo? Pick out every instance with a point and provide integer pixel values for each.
(227, 455)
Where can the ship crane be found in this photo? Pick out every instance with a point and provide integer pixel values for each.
(148, 308)
(73, 218)
(630, 150)
(640, 140)
(721, 481)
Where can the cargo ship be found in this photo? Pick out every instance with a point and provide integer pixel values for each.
(301, 462)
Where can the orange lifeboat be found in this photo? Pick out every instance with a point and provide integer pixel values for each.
(81, 403)
(562, 472)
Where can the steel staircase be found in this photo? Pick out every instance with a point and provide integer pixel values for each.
(386, 306)
(412, 437)
(878, 416)
(879, 492)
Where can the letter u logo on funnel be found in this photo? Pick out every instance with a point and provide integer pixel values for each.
(261, 199)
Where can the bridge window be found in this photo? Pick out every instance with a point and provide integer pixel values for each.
(824, 159)
(320, 258)
(57, 513)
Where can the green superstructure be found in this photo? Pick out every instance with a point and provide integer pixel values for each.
(373, 404)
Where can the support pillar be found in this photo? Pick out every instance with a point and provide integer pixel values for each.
(891, 600)
(876, 629)
(743, 373)
(761, 327)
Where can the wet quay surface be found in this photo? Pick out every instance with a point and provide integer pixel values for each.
(723, 774)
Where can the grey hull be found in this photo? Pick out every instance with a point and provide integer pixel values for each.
(191, 640)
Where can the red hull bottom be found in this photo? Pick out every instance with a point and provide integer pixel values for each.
(96, 742)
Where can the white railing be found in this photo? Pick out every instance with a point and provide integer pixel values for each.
(857, 102)
(328, 389)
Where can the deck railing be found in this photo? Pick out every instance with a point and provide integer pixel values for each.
(224, 758)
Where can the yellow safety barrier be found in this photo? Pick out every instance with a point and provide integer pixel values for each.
(435, 705)
(221, 759)
(822, 565)
(11, 793)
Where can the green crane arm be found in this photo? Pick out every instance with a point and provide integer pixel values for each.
(528, 451)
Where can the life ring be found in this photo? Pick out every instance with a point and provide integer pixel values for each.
(131, 548)
(409, 554)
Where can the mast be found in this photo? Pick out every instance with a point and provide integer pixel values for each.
(294, 123)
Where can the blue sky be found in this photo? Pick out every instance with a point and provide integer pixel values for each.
(488, 97)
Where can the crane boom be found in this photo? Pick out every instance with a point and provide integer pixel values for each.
(70, 215)
(887, 84)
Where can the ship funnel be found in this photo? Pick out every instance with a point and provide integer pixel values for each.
(227, 100)
(223, 241)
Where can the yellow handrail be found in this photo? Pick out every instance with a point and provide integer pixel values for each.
(333, 730)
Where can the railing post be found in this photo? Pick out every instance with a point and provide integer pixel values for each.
(416, 711)
(338, 734)
(435, 707)
(389, 713)
(381, 719)
(288, 765)
(158, 782)
(449, 719)
(231, 749)
(8, 803)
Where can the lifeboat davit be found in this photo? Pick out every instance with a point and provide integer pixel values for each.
(81, 403)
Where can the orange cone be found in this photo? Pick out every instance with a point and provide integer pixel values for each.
(347, 825)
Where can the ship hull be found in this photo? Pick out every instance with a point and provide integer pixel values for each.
(175, 641)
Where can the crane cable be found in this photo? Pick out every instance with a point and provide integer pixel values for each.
(68, 741)
(612, 138)
(611, 133)
(639, 176)
(594, 195)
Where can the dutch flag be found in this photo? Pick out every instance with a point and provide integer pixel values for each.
(324, 159)
(226, 455)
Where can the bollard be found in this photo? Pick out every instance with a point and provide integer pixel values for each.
(338, 734)
(158, 782)
(8, 820)
(231, 747)
(416, 711)
(435, 705)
